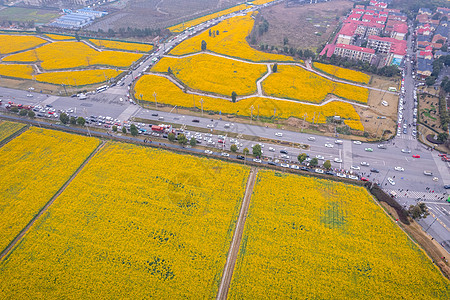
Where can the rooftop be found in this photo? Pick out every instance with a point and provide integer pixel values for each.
(355, 48)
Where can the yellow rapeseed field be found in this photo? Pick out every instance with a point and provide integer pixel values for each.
(68, 55)
(342, 73)
(296, 83)
(260, 2)
(137, 47)
(16, 70)
(59, 37)
(355, 125)
(8, 128)
(136, 223)
(33, 167)
(231, 41)
(14, 43)
(169, 93)
(182, 26)
(214, 74)
(307, 238)
(78, 78)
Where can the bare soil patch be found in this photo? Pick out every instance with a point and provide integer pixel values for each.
(306, 27)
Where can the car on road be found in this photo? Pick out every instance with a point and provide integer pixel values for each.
(338, 160)
(210, 126)
(368, 149)
(196, 121)
(447, 186)
(364, 179)
(271, 149)
(208, 152)
(320, 171)
(30, 95)
(154, 114)
(284, 151)
(328, 145)
(357, 142)
(406, 150)
(416, 156)
(391, 181)
(382, 146)
(373, 170)
(272, 163)
(278, 134)
(304, 169)
(225, 154)
(320, 157)
(311, 139)
(364, 163)
(295, 167)
(339, 142)
(257, 160)
(240, 157)
(400, 169)
(353, 177)
(284, 165)
(341, 175)
(355, 167)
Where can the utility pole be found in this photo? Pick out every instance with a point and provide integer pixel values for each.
(251, 113)
(85, 114)
(154, 95)
(201, 101)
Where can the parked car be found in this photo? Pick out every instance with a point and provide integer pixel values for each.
(373, 170)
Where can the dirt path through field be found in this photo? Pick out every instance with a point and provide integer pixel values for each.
(49, 203)
(237, 237)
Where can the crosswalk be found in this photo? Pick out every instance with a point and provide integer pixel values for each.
(405, 137)
(424, 196)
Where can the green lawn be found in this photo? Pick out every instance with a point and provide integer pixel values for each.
(20, 14)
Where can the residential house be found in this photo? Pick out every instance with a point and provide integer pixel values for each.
(424, 67)
(441, 34)
(425, 11)
(399, 31)
(354, 52)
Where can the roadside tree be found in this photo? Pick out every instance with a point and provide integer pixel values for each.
(64, 118)
(314, 162)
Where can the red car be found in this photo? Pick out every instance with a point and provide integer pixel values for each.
(50, 113)
(364, 179)
(416, 156)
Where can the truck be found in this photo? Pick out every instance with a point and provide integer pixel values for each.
(157, 128)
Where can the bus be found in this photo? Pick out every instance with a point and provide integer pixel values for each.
(102, 88)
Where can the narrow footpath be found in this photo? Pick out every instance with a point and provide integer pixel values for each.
(237, 237)
(49, 203)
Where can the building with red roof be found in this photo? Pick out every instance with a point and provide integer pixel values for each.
(346, 33)
(354, 52)
(358, 11)
(354, 17)
(394, 49)
(399, 32)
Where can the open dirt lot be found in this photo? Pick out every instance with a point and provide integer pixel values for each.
(307, 26)
(156, 13)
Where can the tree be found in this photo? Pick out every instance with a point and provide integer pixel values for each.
(285, 41)
(203, 45)
(81, 121)
(314, 162)
(14, 109)
(443, 136)
(245, 151)
(169, 70)
(23, 112)
(182, 139)
(124, 130)
(233, 148)
(77, 36)
(133, 130)
(275, 67)
(209, 32)
(171, 137)
(64, 118)
(418, 211)
(217, 32)
(114, 128)
(257, 150)
(31, 114)
(430, 80)
(327, 164)
(233, 96)
(193, 142)
(73, 120)
(301, 157)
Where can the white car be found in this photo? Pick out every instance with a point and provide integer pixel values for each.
(278, 134)
(353, 177)
(328, 145)
(320, 171)
(406, 151)
(320, 157)
(271, 149)
(284, 165)
(355, 167)
(357, 142)
(311, 138)
(363, 163)
(338, 160)
(208, 152)
(391, 181)
(210, 126)
(257, 160)
(341, 175)
(29, 95)
(225, 154)
(295, 167)
(400, 169)
(435, 179)
(339, 142)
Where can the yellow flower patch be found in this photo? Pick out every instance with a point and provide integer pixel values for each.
(59, 37)
(182, 26)
(17, 71)
(214, 74)
(308, 238)
(67, 55)
(33, 167)
(355, 125)
(135, 223)
(231, 41)
(15, 43)
(78, 78)
(296, 83)
(343, 73)
(137, 47)
(8, 128)
(169, 93)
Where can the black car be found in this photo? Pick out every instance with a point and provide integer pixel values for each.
(240, 157)
(154, 115)
(374, 171)
(447, 186)
(329, 173)
(283, 151)
(196, 121)
(304, 169)
(165, 136)
(272, 163)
